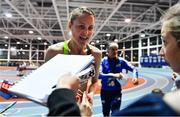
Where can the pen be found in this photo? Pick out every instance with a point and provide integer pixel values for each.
(9, 106)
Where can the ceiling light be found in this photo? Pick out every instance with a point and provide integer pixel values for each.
(13, 48)
(31, 32)
(17, 42)
(39, 38)
(108, 34)
(97, 41)
(92, 43)
(142, 35)
(115, 40)
(8, 15)
(102, 45)
(6, 37)
(45, 43)
(127, 20)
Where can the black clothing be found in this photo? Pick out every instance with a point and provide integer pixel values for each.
(149, 105)
(62, 102)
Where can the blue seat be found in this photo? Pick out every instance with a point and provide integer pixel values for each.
(153, 60)
(144, 61)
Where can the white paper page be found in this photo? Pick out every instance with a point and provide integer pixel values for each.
(39, 83)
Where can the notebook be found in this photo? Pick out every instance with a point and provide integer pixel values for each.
(38, 85)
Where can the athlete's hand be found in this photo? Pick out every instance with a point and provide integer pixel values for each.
(121, 76)
(118, 75)
(135, 81)
(174, 76)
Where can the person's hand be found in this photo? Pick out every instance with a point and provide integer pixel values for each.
(85, 105)
(69, 81)
(79, 96)
(121, 75)
(135, 80)
(174, 76)
(118, 75)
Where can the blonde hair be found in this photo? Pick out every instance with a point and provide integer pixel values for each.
(171, 21)
(79, 11)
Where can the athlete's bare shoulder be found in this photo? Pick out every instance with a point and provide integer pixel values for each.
(54, 50)
(57, 46)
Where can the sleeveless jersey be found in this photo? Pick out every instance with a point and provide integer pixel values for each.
(66, 49)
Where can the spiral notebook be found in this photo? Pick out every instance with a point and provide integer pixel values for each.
(38, 85)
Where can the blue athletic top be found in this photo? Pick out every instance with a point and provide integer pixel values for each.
(108, 65)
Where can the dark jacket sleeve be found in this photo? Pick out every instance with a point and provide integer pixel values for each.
(62, 102)
(149, 105)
